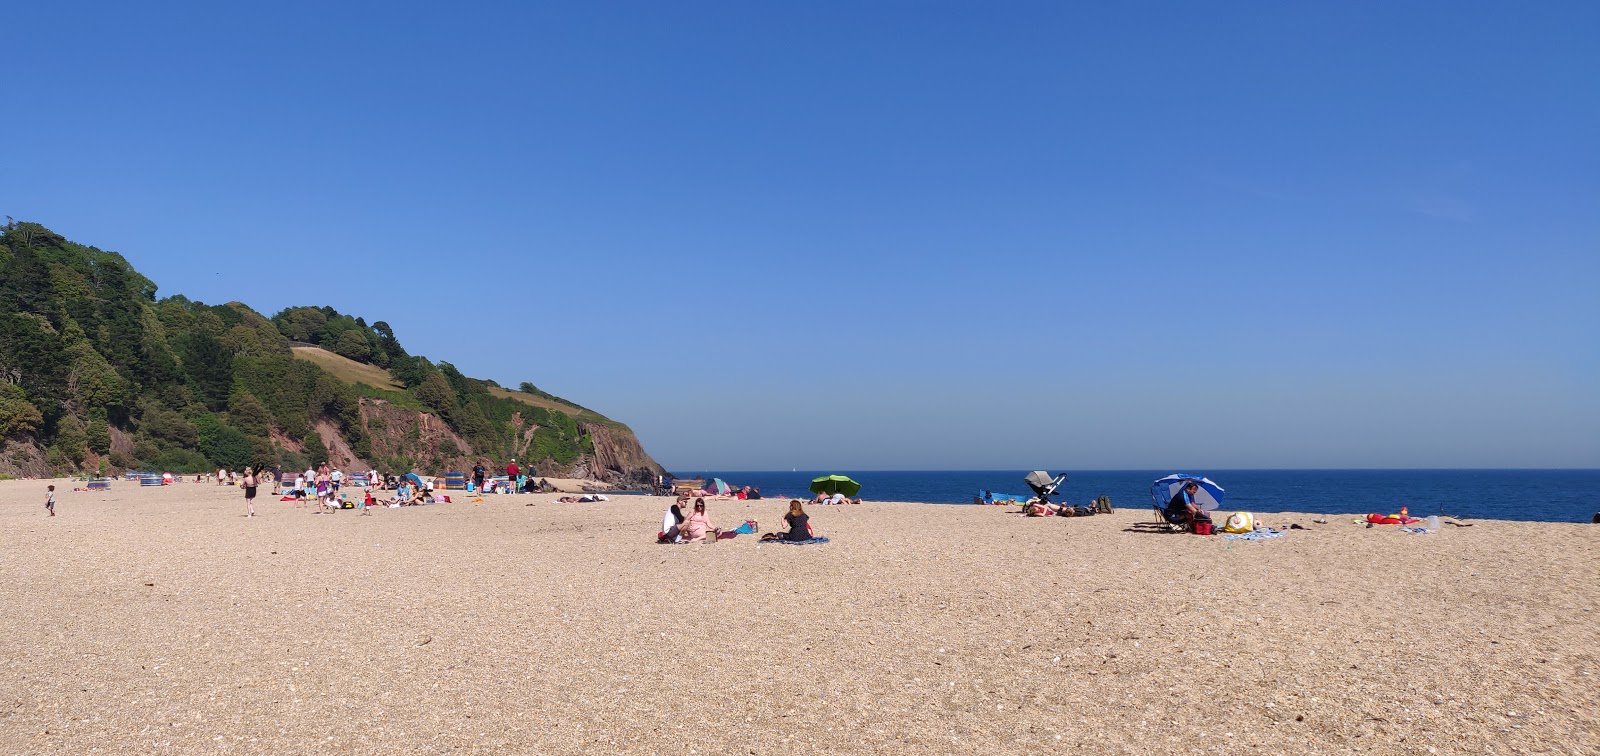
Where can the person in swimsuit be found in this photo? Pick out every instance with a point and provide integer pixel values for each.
(249, 483)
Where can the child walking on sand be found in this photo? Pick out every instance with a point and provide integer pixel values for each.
(50, 500)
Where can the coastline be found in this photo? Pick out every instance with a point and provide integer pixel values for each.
(161, 620)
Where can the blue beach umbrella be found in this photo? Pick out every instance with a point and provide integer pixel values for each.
(414, 478)
(1209, 496)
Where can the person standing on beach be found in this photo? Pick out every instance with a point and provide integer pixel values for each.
(50, 500)
(477, 475)
(512, 471)
(324, 493)
(249, 484)
(337, 476)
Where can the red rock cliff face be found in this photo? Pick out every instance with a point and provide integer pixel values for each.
(422, 437)
(618, 456)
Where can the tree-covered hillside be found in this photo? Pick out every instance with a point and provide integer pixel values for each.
(98, 374)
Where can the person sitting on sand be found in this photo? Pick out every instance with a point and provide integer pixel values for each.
(799, 525)
(1182, 509)
(820, 498)
(402, 494)
(672, 525)
(698, 524)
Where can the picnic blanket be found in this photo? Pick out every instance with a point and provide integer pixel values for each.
(818, 539)
(1256, 535)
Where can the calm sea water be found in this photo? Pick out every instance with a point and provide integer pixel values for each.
(1549, 495)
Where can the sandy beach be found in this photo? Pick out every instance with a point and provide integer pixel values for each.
(160, 620)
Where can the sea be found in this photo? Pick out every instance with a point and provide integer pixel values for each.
(1545, 495)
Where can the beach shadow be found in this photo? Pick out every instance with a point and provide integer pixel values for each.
(1150, 527)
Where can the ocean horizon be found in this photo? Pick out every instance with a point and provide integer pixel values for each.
(1539, 494)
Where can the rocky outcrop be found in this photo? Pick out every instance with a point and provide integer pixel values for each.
(619, 457)
(421, 437)
(22, 457)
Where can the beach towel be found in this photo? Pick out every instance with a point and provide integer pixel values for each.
(746, 528)
(288, 498)
(817, 540)
(1415, 530)
(1258, 535)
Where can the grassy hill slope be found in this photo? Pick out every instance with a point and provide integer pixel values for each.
(352, 372)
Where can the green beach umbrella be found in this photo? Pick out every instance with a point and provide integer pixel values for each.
(832, 484)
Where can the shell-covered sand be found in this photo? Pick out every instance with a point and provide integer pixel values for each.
(160, 620)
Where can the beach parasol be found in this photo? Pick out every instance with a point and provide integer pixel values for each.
(718, 487)
(835, 484)
(414, 478)
(1209, 497)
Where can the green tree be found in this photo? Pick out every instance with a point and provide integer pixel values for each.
(99, 431)
(72, 440)
(353, 344)
(248, 414)
(316, 452)
(435, 392)
(223, 444)
(17, 414)
(210, 367)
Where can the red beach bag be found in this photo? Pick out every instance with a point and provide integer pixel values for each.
(1202, 527)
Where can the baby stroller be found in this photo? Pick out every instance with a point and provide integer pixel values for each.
(1044, 486)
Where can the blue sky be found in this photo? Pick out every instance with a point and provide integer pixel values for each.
(892, 235)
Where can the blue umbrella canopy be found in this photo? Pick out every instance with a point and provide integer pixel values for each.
(414, 478)
(1209, 496)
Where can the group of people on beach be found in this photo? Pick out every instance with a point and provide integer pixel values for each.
(696, 526)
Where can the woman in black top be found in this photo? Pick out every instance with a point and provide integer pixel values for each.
(799, 529)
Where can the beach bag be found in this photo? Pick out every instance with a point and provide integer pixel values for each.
(1240, 522)
(1202, 527)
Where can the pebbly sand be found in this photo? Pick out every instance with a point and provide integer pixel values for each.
(160, 620)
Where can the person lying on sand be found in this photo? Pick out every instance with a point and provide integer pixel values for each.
(1043, 508)
(837, 498)
(799, 525)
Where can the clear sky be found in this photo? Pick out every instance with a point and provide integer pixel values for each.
(891, 235)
